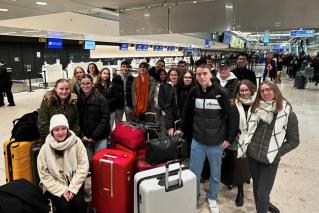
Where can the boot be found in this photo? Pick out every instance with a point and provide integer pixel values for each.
(273, 209)
(240, 196)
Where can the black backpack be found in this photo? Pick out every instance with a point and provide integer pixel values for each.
(26, 128)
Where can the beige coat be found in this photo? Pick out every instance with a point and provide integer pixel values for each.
(53, 185)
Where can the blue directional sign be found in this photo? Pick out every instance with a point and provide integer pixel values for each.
(139, 47)
(124, 46)
(266, 38)
(302, 33)
(208, 43)
(145, 47)
(158, 48)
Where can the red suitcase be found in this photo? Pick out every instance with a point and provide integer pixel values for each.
(129, 136)
(138, 153)
(142, 165)
(112, 181)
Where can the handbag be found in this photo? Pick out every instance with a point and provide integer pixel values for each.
(161, 150)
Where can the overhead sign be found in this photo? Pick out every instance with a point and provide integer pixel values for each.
(124, 46)
(139, 47)
(158, 48)
(145, 47)
(171, 48)
(302, 33)
(208, 43)
(266, 39)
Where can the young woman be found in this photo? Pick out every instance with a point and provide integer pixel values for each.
(76, 80)
(271, 132)
(59, 100)
(143, 90)
(111, 93)
(94, 117)
(235, 172)
(63, 166)
(168, 100)
(93, 71)
(158, 111)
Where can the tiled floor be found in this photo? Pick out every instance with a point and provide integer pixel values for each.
(296, 189)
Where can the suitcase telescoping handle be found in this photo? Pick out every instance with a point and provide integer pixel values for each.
(110, 162)
(179, 184)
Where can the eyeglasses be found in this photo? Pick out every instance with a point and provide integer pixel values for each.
(86, 84)
(266, 90)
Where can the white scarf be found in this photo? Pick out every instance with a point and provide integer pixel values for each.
(68, 147)
(242, 115)
(266, 112)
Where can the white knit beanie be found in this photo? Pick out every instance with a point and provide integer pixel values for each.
(58, 120)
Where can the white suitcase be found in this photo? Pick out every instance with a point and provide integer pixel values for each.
(169, 189)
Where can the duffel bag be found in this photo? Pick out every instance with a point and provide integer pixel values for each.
(129, 135)
(161, 150)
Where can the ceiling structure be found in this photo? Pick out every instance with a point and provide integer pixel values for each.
(101, 19)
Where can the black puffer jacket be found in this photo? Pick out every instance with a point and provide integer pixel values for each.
(211, 113)
(112, 94)
(258, 147)
(94, 116)
(245, 73)
(118, 82)
(168, 101)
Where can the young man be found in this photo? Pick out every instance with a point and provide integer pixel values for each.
(226, 78)
(155, 71)
(181, 67)
(124, 82)
(241, 72)
(209, 105)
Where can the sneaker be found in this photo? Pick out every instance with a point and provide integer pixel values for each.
(213, 206)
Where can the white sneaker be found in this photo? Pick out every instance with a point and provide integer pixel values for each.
(213, 206)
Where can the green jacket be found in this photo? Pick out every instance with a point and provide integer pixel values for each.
(50, 106)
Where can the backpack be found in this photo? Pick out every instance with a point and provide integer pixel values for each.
(26, 128)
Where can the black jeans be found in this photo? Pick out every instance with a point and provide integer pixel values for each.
(263, 180)
(8, 94)
(77, 204)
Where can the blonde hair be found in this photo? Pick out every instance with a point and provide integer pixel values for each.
(74, 78)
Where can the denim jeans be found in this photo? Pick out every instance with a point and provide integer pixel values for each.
(92, 148)
(214, 155)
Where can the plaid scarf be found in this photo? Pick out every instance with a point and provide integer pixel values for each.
(265, 112)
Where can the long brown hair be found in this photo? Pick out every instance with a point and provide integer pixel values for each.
(99, 77)
(279, 99)
(251, 86)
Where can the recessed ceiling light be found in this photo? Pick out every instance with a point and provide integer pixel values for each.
(3, 10)
(42, 3)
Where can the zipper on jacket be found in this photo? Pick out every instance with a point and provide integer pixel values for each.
(262, 141)
(203, 113)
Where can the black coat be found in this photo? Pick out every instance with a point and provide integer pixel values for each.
(112, 94)
(118, 82)
(5, 79)
(245, 73)
(94, 116)
(155, 74)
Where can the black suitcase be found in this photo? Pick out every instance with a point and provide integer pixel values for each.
(35, 149)
(300, 82)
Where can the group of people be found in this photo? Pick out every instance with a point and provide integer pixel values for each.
(216, 113)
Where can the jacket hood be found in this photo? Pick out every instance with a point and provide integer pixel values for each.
(230, 77)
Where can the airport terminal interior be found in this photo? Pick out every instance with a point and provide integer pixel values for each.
(44, 41)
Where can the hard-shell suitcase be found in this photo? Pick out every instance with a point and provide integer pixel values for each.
(112, 181)
(138, 153)
(129, 135)
(18, 160)
(300, 82)
(160, 190)
(35, 149)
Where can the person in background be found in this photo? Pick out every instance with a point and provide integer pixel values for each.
(59, 100)
(168, 101)
(210, 62)
(5, 85)
(143, 90)
(226, 78)
(235, 172)
(94, 117)
(123, 81)
(93, 71)
(63, 167)
(155, 71)
(181, 67)
(214, 126)
(271, 132)
(76, 80)
(186, 83)
(158, 111)
(269, 73)
(241, 72)
(111, 93)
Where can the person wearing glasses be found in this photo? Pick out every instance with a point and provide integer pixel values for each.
(271, 132)
(214, 125)
(242, 72)
(143, 90)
